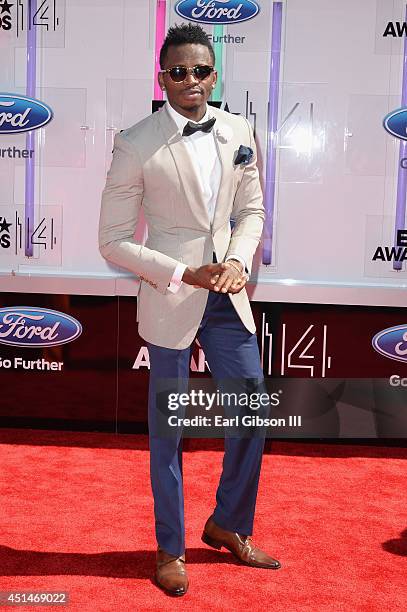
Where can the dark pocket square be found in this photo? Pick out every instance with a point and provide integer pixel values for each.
(244, 155)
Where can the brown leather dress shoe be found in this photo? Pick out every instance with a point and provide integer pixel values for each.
(171, 573)
(240, 545)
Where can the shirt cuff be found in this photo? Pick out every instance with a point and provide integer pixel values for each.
(239, 259)
(176, 280)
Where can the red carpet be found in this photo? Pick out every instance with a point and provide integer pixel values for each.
(77, 516)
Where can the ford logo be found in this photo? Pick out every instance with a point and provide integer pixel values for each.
(217, 11)
(392, 343)
(396, 123)
(36, 327)
(22, 114)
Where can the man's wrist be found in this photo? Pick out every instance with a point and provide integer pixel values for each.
(235, 257)
(189, 276)
(236, 264)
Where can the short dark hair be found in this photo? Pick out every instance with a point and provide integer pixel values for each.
(185, 34)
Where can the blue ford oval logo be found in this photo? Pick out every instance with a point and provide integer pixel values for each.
(22, 114)
(217, 11)
(396, 123)
(34, 327)
(392, 342)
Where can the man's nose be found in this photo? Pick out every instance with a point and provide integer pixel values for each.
(191, 77)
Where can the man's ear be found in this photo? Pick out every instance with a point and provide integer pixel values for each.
(161, 80)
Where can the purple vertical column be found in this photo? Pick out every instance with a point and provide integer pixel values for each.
(401, 176)
(31, 85)
(274, 86)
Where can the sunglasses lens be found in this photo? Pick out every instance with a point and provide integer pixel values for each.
(178, 73)
(202, 72)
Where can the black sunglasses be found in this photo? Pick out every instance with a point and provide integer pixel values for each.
(179, 73)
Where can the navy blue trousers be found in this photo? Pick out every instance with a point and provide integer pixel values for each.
(232, 353)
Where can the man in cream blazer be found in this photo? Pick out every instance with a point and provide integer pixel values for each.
(192, 168)
(152, 165)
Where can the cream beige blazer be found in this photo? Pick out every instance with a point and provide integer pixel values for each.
(151, 168)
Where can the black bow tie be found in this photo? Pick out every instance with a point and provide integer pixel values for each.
(191, 127)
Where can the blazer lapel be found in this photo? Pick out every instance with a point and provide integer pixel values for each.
(186, 171)
(223, 134)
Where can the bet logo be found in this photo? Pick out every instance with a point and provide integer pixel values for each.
(4, 233)
(5, 15)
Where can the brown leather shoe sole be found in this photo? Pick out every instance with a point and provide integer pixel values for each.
(218, 545)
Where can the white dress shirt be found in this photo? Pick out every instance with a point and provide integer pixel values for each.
(206, 163)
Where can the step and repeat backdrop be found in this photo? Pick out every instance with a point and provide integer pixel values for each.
(324, 85)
